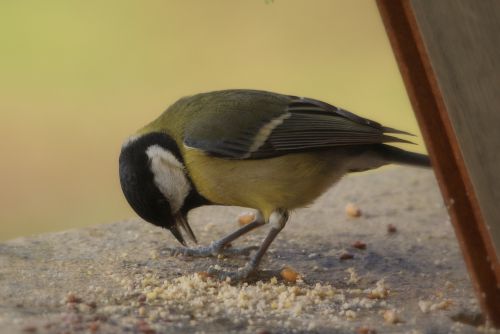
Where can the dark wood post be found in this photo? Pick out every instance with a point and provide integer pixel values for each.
(429, 39)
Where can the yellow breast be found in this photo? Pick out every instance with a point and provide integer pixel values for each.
(286, 182)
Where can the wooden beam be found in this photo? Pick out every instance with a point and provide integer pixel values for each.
(448, 163)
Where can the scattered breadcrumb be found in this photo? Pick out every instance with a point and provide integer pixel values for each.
(84, 308)
(203, 275)
(391, 317)
(487, 329)
(246, 218)
(208, 227)
(350, 314)
(144, 327)
(353, 276)
(449, 285)
(154, 254)
(380, 291)
(414, 331)
(424, 305)
(94, 327)
(352, 210)
(72, 298)
(443, 305)
(312, 255)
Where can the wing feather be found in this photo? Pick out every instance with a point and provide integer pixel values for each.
(288, 124)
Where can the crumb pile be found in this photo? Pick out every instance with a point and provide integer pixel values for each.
(156, 301)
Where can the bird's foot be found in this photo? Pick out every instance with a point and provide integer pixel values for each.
(213, 250)
(239, 275)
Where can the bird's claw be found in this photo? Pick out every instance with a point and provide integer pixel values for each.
(239, 275)
(238, 250)
(195, 251)
(212, 250)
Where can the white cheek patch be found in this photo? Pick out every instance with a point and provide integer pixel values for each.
(169, 176)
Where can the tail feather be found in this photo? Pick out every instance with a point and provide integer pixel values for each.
(396, 131)
(399, 156)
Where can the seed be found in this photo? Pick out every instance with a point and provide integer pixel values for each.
(366, 330)
(352, 210)
(30, 329)
(246, 218)
(391, 317)
(289, 275)
(203, 275)
(359, 244)
(72, 298)
(346, 256)
(391, 228)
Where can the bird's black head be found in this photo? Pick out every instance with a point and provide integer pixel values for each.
(156, 183)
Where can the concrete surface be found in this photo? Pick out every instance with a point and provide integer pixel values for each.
(120, 278)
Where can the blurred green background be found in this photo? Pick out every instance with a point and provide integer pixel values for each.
(77, 77)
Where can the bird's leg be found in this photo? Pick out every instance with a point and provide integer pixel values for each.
(220, 246)
(277, 221)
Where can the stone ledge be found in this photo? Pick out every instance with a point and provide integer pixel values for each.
(118, 277)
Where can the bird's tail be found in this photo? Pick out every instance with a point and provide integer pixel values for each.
(398, 156)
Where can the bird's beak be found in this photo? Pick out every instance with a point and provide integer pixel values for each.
(181, 223)
(177, 234)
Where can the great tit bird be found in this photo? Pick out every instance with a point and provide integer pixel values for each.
(247, 148)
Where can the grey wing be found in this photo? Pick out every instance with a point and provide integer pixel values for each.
(312, 124)
(298, 125)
